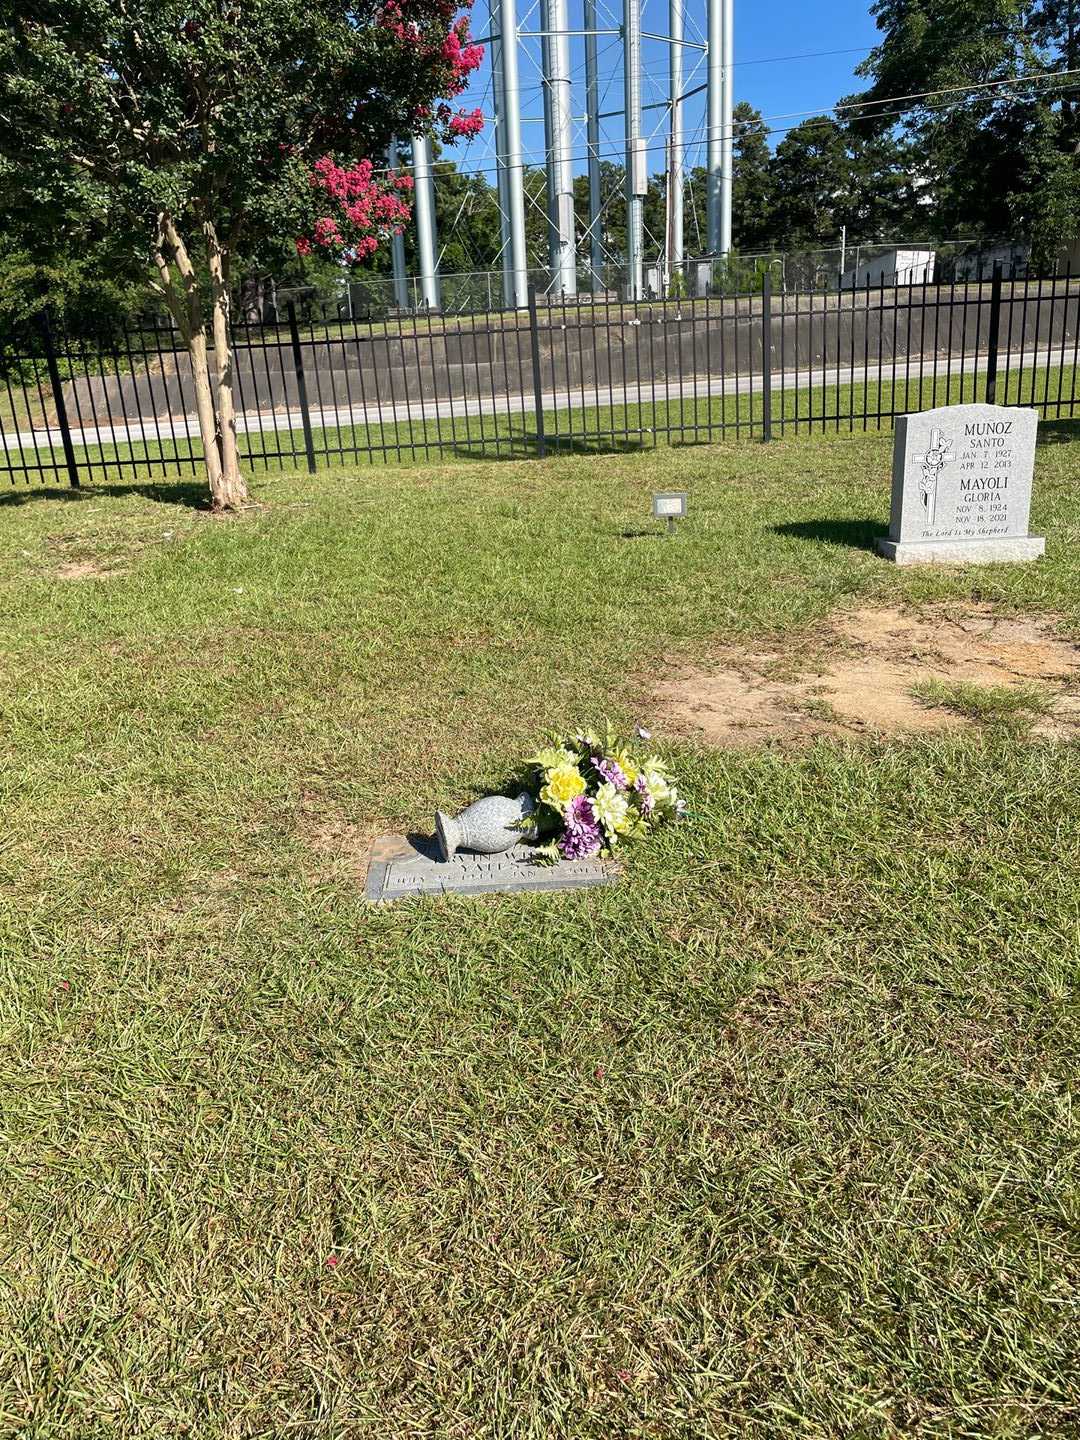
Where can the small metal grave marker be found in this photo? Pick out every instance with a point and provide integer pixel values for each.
(669, 505)
(410, 865)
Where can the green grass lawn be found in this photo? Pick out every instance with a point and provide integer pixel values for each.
(774, 1138)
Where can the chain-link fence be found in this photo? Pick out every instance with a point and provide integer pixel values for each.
(893, 262)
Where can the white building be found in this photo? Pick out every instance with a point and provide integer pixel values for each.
(892, 267)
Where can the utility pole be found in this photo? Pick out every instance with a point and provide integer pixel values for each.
(636, 178)
(515, 188)
(675, 144)
(397, 245)
(426, 235)
(592, 150)
(714, 121)
(727, 146)
(498, 105)
(720, 107)
(555, 49)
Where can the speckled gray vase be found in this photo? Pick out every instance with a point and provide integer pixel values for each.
(484, 826)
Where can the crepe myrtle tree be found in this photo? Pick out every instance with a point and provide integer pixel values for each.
(200, 129)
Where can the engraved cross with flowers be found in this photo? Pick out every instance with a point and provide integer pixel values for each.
(938, 452)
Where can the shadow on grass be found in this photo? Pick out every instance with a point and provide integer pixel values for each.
(853, 534)
(1058, 432)
(525, 446)
(189, 493)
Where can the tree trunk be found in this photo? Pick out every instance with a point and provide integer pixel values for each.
(217, 422)
(232, 492)
(204, 406)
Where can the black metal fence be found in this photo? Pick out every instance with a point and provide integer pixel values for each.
(553, 378)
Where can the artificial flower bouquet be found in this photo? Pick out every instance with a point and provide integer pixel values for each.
(595, 793)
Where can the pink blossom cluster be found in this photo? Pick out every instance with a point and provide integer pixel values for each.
(360, 208)
(343, 184)
(463, 56)
(368, 209)
(456, 49)
(466, 122)
(327, 235)
(394, 19)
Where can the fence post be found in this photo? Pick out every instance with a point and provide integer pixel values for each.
(538, 397)
(992, 338)
(301, 387)
(45, 329)
(766, 357)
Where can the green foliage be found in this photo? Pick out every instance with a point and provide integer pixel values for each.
(827, 175)
(753, 188)
(613, 211)
(64, 254)
(752, 184)
(112, 115)
(92, 294)
(822, 175)
(812, 179)
(993, 161)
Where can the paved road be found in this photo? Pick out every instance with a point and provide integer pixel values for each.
(521, 406)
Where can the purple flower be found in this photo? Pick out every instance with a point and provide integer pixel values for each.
(580, 844)
(610, 770)
(645, 800)
(581, 838)
(581, 814)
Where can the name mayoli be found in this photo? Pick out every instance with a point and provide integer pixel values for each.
(984, 482)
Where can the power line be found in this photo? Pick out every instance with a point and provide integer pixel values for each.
(759, 126)
(929, 94)
(807, 55)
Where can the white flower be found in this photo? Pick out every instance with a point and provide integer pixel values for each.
(612, 809)
(660, 789)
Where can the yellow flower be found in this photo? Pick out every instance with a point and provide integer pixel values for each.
(563, 783)
(626, 765)
(661, 791)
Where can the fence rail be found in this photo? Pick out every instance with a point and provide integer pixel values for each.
(549, 379)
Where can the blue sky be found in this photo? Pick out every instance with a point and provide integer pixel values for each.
(765, 36)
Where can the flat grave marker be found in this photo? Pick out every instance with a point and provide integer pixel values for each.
(961, 487)
(402, 865)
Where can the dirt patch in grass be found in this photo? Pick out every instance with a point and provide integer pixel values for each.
(87, 570)
(859, 674)
(340, 846)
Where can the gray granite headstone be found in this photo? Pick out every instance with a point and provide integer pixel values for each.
(961, 488)
(410, 865)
